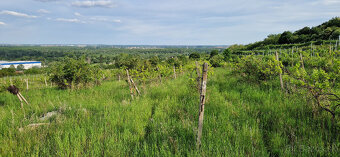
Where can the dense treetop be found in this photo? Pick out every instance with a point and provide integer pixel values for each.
(329, 30)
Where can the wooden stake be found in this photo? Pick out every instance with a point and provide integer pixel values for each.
(301, 59)
(23, 98)
(174, 72)
(129, 80)
(281, 81)
(202, 102)
(160, 75)
(46, 82)
(21, 103)
(135, 86)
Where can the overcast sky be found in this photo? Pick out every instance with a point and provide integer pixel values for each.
(156, 22)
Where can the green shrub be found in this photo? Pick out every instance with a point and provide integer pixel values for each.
(259, 68)
(71, 73)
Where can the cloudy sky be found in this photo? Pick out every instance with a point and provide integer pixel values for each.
(156, 22)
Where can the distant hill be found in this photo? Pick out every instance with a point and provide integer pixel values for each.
(329, 30)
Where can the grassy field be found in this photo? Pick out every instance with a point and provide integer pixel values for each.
(241, 119)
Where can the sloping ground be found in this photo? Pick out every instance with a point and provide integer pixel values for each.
(240, 120)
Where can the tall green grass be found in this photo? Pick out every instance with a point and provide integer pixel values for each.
(241, 119)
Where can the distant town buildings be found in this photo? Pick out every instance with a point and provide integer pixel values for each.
(26, 64)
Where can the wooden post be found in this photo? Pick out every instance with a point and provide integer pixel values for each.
(135, 86)
(23, 98)
(45, 82)
(160, 75)
(301, 59)
(202, 102)
(198, 79)
(129, 81)
(119, 78)
(281, 81)
(174, 72)
(21, 104)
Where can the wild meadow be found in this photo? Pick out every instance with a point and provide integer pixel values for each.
(241, 119)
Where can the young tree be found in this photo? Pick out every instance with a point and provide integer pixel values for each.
(213, 53)
(70, 73)
(20, 67)
(195, 56)
(226, 54)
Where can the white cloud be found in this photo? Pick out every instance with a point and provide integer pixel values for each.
(2, 23)
(330, 2)
(104, 19)
(92, 19)
(77, 14)
(44, 11)
(46, 0)
(69, 20)
(89, 4)
(13, 13)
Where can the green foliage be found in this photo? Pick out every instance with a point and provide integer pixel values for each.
(7, 72)
(216, 61)
(286, 38)
(226, 54)
(327, 31)
(321, 85)
(259, 68)
(35, 70)
(20, 67)
(241, 119)
(213, 53)
(70, 73)
(195, 56)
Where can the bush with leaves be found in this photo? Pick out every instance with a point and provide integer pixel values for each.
(259, 68)
(71, 73)
(7, 72)
(320, 85)
(216, 61)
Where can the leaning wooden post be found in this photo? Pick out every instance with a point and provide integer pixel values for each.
(174, 72)
(129, 81)
(135, 86)
(15, 91)
(198, 79)
(202, 102)
(281, 81)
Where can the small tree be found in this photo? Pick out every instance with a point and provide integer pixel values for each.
(213, 53)
(216, 61)
(20, 67)
(226, 54)
(195, 56)
(70, 73)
